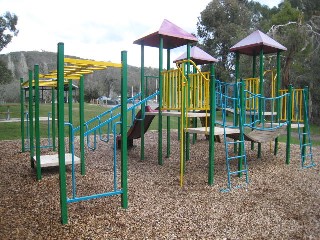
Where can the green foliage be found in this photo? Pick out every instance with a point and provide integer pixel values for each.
(5, 74)
(8, 22)
(220, 26)
(309, 8)
(286, 14)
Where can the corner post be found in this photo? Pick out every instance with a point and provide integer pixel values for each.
(53, 118)
(61, 145)
(305, 118)
(289, 119)
(81, 112)
(31, 142)
(261, 90)
(142, 85)
(187, 141)
(160, 160)
(168, 118)
(276, 142)
(70, 113)
(124, 146)
(212, 122)
(37, 121)
(254, 66)
(22, 115)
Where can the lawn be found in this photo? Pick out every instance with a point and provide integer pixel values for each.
(12, 130)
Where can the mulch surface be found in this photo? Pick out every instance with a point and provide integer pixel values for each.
(281, 201)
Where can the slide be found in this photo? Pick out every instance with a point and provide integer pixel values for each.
(135, 130)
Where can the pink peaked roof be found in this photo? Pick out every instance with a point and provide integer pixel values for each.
(252, 44)
(173, 37)
(198, 56)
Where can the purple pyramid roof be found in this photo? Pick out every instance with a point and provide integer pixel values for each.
(198, 56)
(253, 43)
(173, 37)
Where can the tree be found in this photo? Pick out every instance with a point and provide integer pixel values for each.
(5, 74)
(300, 33)
(8, 29)
(287, 28)
(8, 22)
(219, 27)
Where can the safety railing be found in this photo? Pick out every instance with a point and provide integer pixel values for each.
(297, 106)
(196, 85)
(251, 86)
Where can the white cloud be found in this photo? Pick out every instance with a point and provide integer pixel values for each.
(99, 29)
(270, 3)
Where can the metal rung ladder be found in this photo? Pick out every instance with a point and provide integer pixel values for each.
(304, 136)
(305, 146)
(230, 159)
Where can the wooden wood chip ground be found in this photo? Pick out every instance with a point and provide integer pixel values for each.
(281, 202)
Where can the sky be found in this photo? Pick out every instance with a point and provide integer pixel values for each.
(100, 29)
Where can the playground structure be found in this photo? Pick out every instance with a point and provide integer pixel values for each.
(182, 93)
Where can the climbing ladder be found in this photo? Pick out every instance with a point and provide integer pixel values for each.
(240, 157)
(304, 135)
(236, 161)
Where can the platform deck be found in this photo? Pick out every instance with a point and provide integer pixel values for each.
(53, 160)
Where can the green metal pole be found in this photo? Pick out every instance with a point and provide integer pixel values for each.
(276, 142)
(70, 112)
(22, 115)
(182, 125)
(212, 122)
(237, 78)
(289, 118)
(37, 121)
(188, 104)
(254, 66)
(160, 161)
(261, 89)
(241, 118)
(168, 118)
(305, 118)
(31, 144)
(61, 145)
(235, 119)
(53, 118)
(142, 105)
(124, 146)
(195, 120)
(81, 112)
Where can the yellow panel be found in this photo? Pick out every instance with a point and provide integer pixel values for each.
(91, 62)
(74, 68)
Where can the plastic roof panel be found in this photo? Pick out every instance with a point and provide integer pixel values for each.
(173, 37)
(252, 44)
(198, 56)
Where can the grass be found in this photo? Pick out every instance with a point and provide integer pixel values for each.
(12, 130)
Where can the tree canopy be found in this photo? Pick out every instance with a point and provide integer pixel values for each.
(8, 30)
(8, 22)
(293, 23)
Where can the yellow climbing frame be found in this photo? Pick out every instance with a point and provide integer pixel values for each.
(252, 85)
(297, 106)
(196, 84)
(185, 92)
